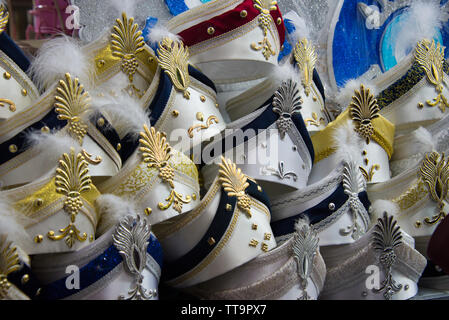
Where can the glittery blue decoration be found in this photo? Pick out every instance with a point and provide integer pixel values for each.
(355, 48)
(149, 24)
(176, 6)
(290, 28)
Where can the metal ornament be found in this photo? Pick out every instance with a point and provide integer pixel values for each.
(435, 173)
(9, 262)
(72, 179)
(131, 238)
(234, 182)
(280, 172)
(305, 244)
(4, 17)
(306, 58)
(363, 109)
(430, 56)
(286, 103)
(386, 237)
(72, 102)
(353, 184)
(126, 43)
(173, 57)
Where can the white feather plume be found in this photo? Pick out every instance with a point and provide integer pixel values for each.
(52, 144)
(344, 96)
(301, 28)
(284, 72)
(424, 138)
(12, 222)
(112, 209)
(124, 113)
(159, 32)
(55, 58)
(127, 6)
(424, 17)
(348, 144)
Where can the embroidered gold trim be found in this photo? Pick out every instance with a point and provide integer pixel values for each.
(314, 121)
(415, 193)
(430, 56)
(12, 105)
(369, 174)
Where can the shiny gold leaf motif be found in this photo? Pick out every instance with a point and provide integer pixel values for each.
(156, 153)
(173, 57)
(234, 183)
(175, 199)
(306, 58)
(369, 174)
(435, 173)
(210, 121)
(9, 262)
(364, 109)
(126, 43)
(11, 104)
(264, 6)
(71, 103)
(430, 56)
(314, 121)
(4, 17)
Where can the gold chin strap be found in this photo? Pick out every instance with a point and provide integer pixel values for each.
(323, 140)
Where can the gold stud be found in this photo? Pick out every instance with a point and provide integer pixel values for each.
(148, 211)
(314, 98)
(13, 148)
(418, 224)
(264, 247)
(253, 243)
(259, 188)
(100, 122)
(194, 196)
(199, 116)
(203, 99)
(38, 202)
(24, 92)
(119, 146)
(216, 105)
(279, 20)
(211, 30)
(267, 236)
(100, 63)
(12, 108)
(243, 13)
(211, 241)
(420, 105)
(366, 161)
(25, 278)
(7, 75)
(364, 153)
(254, 226)
(45, 129)
(228, 207)
(39, 238)
(175, 113)
(91, 238)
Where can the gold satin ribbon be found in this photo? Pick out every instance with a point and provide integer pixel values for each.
(323, 140)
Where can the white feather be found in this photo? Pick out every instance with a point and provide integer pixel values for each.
(127, 6)
(344, 97)
(424, 17)
(284, 72)
(112, 209)
(424, 138)
(12, 222)
(124, 113)
(348, 144)
(55, 58)
(304, 220)
(52, 144)
(159, 32)
(301, 28)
